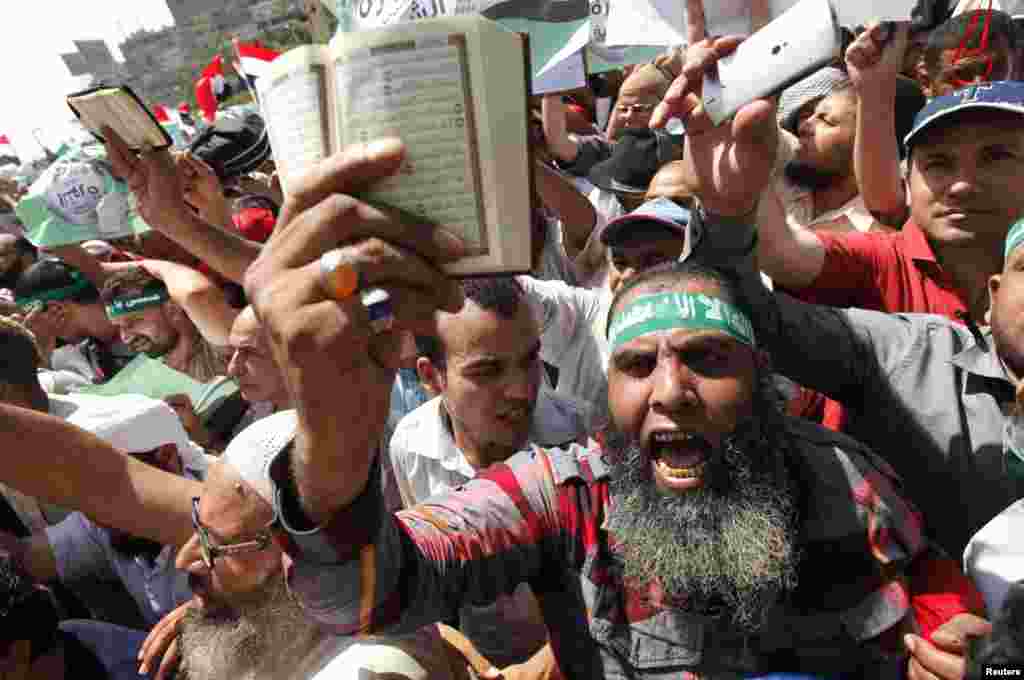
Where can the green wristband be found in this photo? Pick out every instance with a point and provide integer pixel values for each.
(667, 311)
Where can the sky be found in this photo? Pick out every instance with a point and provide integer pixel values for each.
(34, 79)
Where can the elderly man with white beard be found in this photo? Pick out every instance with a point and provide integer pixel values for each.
(241, 623)
(707, 536)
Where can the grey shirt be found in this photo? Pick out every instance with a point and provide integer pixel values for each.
(919, 389)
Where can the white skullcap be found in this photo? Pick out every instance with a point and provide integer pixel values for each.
(131, 423)
(251, 452)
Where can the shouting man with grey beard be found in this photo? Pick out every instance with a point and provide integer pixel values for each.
(731, 544)
(709, 535)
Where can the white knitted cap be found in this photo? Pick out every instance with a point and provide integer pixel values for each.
(131, 423)
(251, 452)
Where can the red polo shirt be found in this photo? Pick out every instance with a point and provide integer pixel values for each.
(888, 272)
(883, 271)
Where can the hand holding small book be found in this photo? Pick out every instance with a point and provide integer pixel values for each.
(203, 189)
(152, 177)
(332, 360)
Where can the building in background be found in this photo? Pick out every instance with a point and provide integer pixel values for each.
(161, 65)
(93, 58)
(184, 11)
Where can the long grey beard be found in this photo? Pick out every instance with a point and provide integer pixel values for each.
(729, 546)
(266, 638)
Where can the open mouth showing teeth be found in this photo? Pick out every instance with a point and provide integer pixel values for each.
(680, 455)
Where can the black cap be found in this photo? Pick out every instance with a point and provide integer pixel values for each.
(636, 157)
(233, 146)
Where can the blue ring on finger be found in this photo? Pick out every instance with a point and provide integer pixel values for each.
(377, 302)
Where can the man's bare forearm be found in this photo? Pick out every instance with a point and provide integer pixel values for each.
(228, 254)
(325, 483)
(877, 160)
(556, 134)
(792, 256)
(572, 208)
(113, 489)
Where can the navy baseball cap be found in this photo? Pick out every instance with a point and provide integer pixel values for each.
(1000, 95)
(658, 215)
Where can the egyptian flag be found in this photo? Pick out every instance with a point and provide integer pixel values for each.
(209, 87)
(185, 115)
(253, 60)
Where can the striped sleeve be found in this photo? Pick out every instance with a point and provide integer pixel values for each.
(370, 572)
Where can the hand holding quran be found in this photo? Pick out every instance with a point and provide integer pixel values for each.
(335, 356)
(454, 90)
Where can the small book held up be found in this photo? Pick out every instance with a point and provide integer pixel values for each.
(455, 90)
(119, 108)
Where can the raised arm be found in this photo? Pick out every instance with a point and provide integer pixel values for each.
(76, 256)
(729, 167)
(327, 351)
(463, 546)
(156, 184)
(793, 256)
(873, 67)
(572, 208)
(203, 301)
(565, 314)
(113, 489)
(556, 134)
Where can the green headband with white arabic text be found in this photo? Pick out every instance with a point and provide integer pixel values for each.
(1014, 237)
(153, 295)
(667, 311)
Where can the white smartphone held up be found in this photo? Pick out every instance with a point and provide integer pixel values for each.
(799, 41)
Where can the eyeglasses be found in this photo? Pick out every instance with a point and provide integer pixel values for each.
(211, 552)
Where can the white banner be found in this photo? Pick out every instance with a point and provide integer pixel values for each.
(663, 22)
(567, 75)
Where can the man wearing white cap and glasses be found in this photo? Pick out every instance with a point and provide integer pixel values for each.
(77, 549)
(230, 552)
(81, 553)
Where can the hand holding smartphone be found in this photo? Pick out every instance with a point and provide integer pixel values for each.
(799, 41)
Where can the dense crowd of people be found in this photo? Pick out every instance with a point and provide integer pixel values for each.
(757, 411)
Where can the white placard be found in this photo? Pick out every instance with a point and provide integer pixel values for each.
(646, 22)
(568, 75)
(663, 22)
(580, 38)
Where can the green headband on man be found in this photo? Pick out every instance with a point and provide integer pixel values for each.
(667, 311)
(78, 284)
(1014, 238)
(153, 295)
